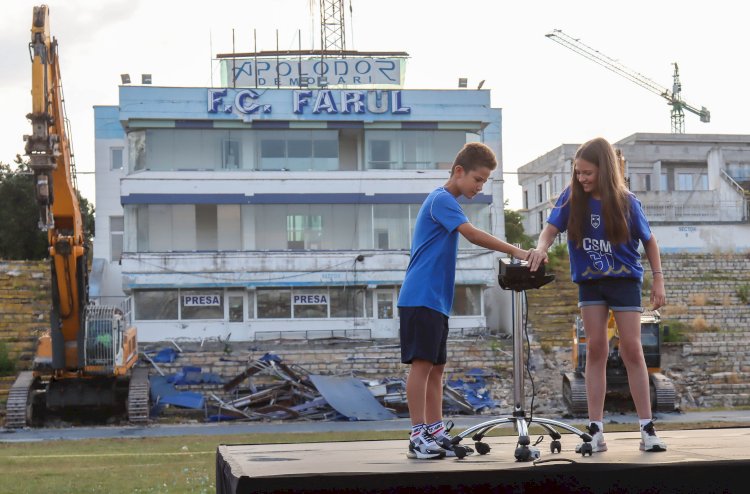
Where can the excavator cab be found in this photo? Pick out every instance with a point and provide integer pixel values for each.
(574, 383)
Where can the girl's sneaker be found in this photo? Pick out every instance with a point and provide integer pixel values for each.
(650, 441)
(423, 447)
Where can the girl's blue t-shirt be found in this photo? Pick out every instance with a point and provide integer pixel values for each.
(598, 257)
(431, 273)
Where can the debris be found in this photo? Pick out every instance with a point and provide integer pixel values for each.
(350, 398)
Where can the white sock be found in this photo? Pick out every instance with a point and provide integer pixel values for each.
(436, 428)
(644, 422)
(416, 429)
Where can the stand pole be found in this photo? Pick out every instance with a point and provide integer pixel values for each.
(524, 450)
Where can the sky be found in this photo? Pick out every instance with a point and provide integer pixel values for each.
(548, 94)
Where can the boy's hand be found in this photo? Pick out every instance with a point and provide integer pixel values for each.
(536, 257)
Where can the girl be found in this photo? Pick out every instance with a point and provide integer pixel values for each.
(605, 222)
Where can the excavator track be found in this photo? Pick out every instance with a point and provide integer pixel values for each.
(574, 393)
(138, 391)
(17, 406)
(665, 393)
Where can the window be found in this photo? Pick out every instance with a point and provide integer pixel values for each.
(155, 305)
(526, 199)
(206, 227)
(115, 157)
(547, 190)
(201, 304)
(467, 300)
(539, 198)
(380, 154)
(664, 182)
(274, 303)
(116, 230)
(230, 155)
(310, 303)
(304, 231)
(299, 150)
(347, 301)
(384, 299)
(684, 181)
(541, 220)
(236, 305)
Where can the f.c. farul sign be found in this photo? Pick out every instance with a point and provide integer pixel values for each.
(322, 101)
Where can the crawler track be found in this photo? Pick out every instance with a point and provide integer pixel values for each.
(138, 396)
(17, 406)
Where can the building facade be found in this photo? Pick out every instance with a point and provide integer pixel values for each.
(693, 188)
(245, 214)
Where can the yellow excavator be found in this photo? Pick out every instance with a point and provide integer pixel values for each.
(86, 359)
(662, 388)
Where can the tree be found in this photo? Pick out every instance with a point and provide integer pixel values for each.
(20, 236)
(514, 231)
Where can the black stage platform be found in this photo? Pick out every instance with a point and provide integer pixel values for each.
(697, 461)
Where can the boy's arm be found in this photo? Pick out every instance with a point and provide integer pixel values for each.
(484, 239)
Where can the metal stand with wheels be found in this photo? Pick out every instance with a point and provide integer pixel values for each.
(515, 275)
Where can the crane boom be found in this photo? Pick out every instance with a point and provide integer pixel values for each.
(673, 96)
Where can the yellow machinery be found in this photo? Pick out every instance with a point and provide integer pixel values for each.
(86, 358)
(662, 388)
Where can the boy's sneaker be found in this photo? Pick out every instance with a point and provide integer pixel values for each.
(444, 440)
(650, 441)
(597, 440)
(424, 447)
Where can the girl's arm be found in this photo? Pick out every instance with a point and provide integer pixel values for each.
(658, 292)
(538, 255)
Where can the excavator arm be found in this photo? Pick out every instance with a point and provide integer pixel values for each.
(51, 160)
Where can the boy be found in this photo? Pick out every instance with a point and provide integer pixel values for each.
(427, 294)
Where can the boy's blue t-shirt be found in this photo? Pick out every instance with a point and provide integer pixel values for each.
(597, 257)
(432, 268)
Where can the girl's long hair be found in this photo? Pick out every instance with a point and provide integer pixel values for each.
(611, 188)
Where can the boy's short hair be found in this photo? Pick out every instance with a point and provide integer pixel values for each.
(475, 155)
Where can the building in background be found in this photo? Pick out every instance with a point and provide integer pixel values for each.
(264, 211)
(693, 188)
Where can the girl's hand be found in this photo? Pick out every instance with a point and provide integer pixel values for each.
(536, 257)
(658, 293)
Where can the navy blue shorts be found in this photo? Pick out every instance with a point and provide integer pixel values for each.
(424, 335)
(619, 294)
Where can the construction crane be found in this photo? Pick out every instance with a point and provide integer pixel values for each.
(673, 96)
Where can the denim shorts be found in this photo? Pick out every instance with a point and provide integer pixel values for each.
(619, 294)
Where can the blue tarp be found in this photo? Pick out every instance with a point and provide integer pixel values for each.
(165, 356)
(194, 375)
(474, 389)
(350, 398)
(164, 393)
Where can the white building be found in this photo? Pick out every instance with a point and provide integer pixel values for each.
(692, 187)
(255, 212)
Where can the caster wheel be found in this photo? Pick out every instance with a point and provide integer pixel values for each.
(482, 448)
(587, 449)
(460, 451)
(555, 446)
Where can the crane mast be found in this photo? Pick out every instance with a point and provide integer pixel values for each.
(673, 96)
(332, 29)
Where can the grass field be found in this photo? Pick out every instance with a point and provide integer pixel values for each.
(165, 465)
